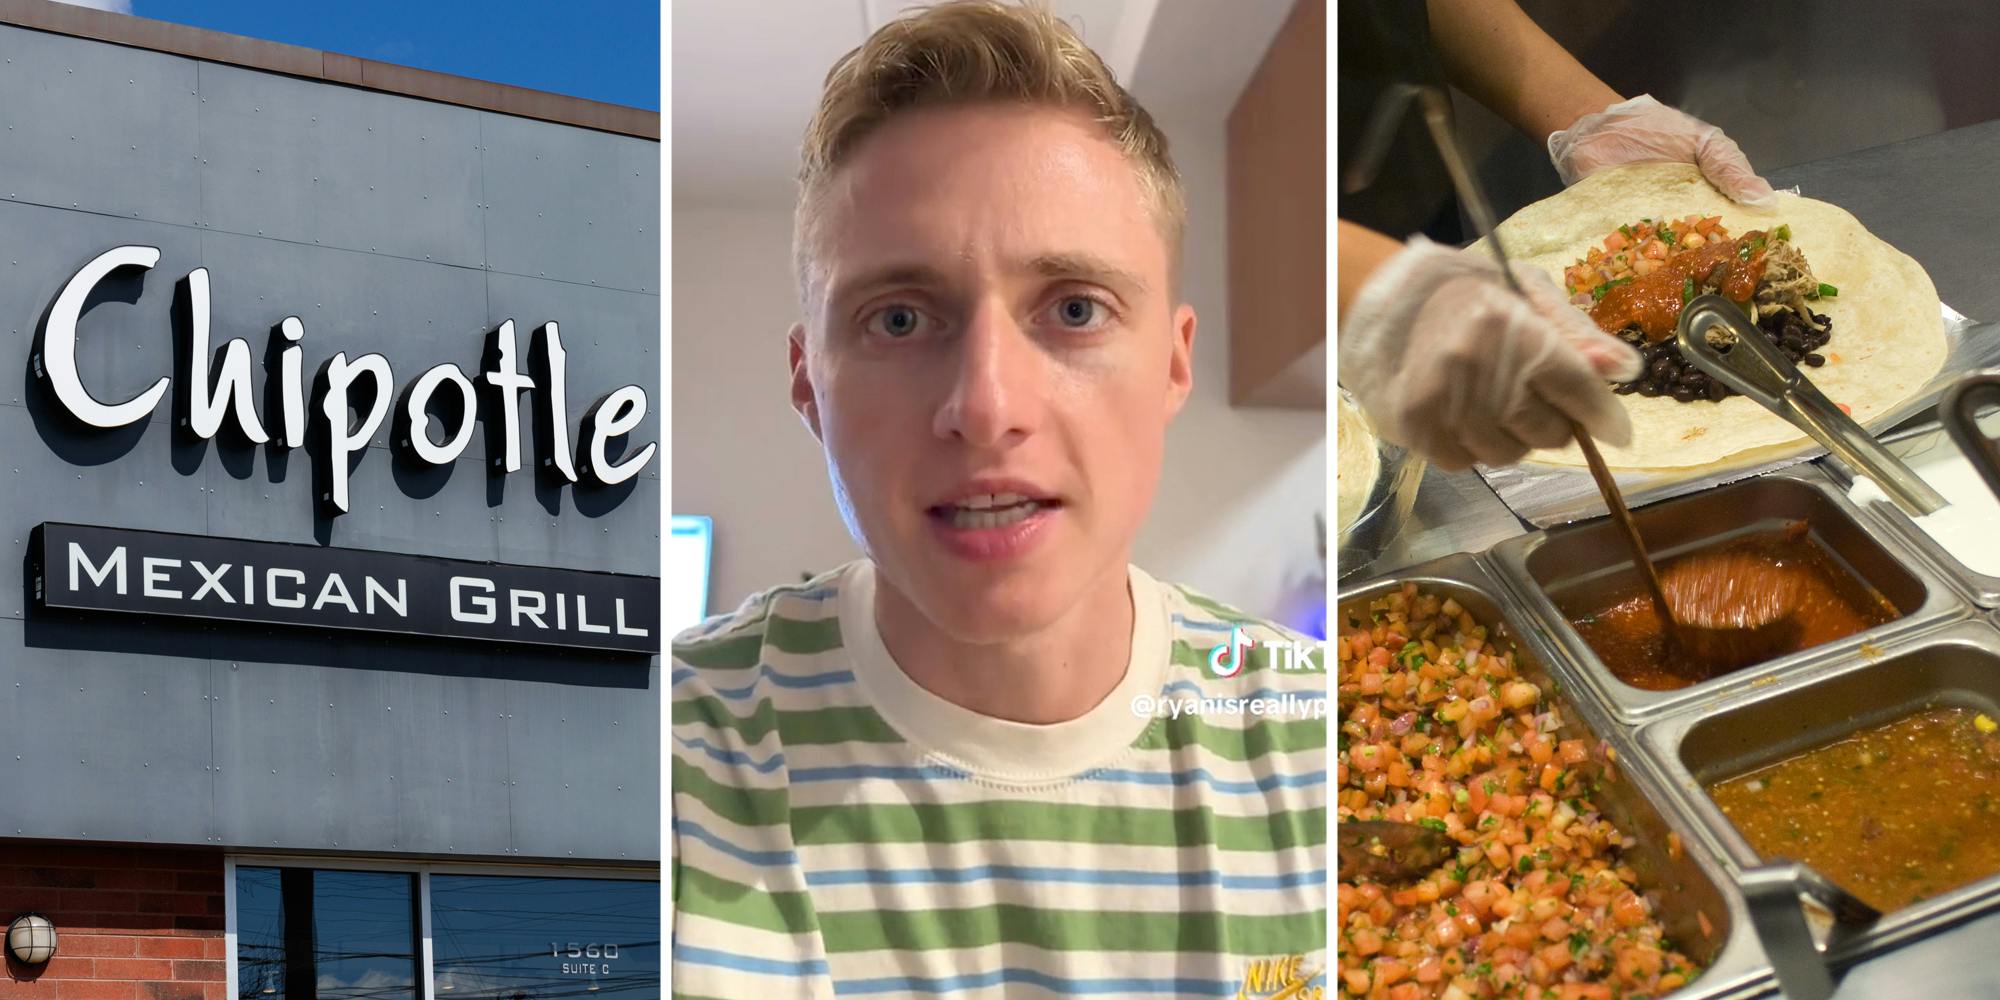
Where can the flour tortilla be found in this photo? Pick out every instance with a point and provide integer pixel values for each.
(1358, 464)
(1888, 334)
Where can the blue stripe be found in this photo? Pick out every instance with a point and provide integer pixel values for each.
(747, 963)
(933, 772)
(1190, 687)
(1202, 626)
(1086, 876)
(1203, 775)
(1180, 986)
(852, 772)
(766, 673)
(780, 859)
(735, 758)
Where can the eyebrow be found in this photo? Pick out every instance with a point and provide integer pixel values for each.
(1085, 267)
(1066, 266)
(903, 274)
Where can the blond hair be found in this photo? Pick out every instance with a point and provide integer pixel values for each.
(970, 51)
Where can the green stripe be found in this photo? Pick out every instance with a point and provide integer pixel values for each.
(960, 822)
(742, 806)
(795, 635)
(1070, 930)
(743, 905)
(741, 650)
(738, 651)
(1214, 607)
(814, 727)
(1253, 741)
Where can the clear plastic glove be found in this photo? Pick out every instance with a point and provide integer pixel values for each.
(1448, 361)
(1643, 130)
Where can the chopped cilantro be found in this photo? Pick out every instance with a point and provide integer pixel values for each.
(1667, 236)
(1433, 823)
(1783, 232)
(1459, 872)
(1575, 881)
(1524, 864)
(1451, 909)
(1626, 230)
(1578, 942)
(1827, 291)
(1687, 290)
(1490, 786)
(1598, 292)
(1483, 969)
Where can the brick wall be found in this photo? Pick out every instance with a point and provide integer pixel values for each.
(131, 923)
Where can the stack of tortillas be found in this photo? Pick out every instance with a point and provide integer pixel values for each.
(1888, 331)
(1357, 465)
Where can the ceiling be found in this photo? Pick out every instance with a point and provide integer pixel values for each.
(747, 73)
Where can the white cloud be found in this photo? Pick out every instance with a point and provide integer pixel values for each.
(114, 6)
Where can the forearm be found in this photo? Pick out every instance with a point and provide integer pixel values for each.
(1361, 251)
(1498, 55)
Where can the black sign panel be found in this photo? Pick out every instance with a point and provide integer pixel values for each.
(91, 568)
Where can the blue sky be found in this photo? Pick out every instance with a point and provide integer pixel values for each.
(605, 50)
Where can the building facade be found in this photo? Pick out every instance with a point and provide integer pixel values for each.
(329, 461)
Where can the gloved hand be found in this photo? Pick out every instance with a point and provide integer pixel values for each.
(1448, 361)
(1643, 130)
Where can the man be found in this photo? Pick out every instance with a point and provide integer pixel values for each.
(1442, 355)
(941, 769)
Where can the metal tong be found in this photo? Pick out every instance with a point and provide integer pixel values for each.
(1959, 411)
(1757, 369)
(1773, 892)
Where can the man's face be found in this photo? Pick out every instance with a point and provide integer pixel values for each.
(991, 356)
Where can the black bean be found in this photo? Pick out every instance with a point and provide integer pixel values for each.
(1815, 360)
(1717, 390)
(1684, 394)
(1626, 388)
(1663, 368)
(1648, 389)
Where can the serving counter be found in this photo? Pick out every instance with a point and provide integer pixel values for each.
(1932, 198)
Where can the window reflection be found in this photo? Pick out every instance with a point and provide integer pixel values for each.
(525, 938)
(303, 934)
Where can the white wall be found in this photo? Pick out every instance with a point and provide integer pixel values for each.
(1234, 515)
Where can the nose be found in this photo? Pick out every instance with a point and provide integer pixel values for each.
(996, 392)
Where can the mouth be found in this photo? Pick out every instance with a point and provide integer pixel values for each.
(987, 511)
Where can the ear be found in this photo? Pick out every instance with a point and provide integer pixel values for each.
(1180, 364)
(803, 399)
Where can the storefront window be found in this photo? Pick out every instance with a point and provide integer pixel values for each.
(306, 934)
(526, 938)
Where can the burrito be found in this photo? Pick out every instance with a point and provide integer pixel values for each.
(1633, 244)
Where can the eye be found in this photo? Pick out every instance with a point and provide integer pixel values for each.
(897, 322)
(1079, 312)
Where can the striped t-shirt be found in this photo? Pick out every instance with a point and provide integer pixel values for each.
(838, 830)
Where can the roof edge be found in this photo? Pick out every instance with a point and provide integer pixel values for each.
(331, 67)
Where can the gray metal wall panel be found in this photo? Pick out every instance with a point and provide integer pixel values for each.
(97, 127)
(430, 747)
(565, 791)
(430, 774)
(102, 745)
(312, 163)
(573, 205)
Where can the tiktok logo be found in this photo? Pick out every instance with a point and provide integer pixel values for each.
(1227, 659)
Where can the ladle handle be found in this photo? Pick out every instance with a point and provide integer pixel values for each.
(1958, 411)
(1772, 892)
(1756, 369)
